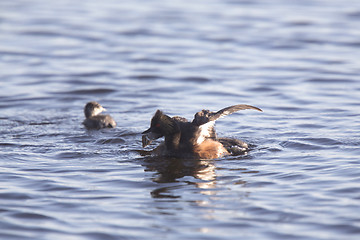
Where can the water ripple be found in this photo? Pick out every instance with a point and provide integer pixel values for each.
(60, 181)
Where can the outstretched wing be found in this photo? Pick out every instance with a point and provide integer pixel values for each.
(205, 120)
(206, 116)
(229, 110)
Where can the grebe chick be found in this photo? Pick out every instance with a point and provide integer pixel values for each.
(95, 120)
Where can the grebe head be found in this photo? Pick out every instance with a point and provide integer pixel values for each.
(92, 109)
(161, 125)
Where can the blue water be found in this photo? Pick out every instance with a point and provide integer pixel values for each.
(296, 60)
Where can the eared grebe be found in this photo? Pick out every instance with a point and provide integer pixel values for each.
(195, 139)
(95, 120)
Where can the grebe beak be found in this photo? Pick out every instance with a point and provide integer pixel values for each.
(149, 136)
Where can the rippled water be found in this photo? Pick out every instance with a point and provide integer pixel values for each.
(297, 60)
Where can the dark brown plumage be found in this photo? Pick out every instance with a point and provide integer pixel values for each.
(193, 139)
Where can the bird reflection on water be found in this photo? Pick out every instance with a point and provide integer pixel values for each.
(201, 173)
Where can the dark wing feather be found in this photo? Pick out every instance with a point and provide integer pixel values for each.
(205, 120)
(229, 110)
(206, 116)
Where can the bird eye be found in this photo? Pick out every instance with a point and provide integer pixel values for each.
(157, 125)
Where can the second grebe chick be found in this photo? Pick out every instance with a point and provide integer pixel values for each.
(95, 120)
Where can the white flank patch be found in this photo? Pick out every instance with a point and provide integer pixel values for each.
(205, 131)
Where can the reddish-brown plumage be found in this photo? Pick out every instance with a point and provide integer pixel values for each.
(193, 139)
(210, 149)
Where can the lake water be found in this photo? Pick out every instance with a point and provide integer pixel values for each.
(297, 60)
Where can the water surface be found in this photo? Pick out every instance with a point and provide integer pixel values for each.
(297, 60)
